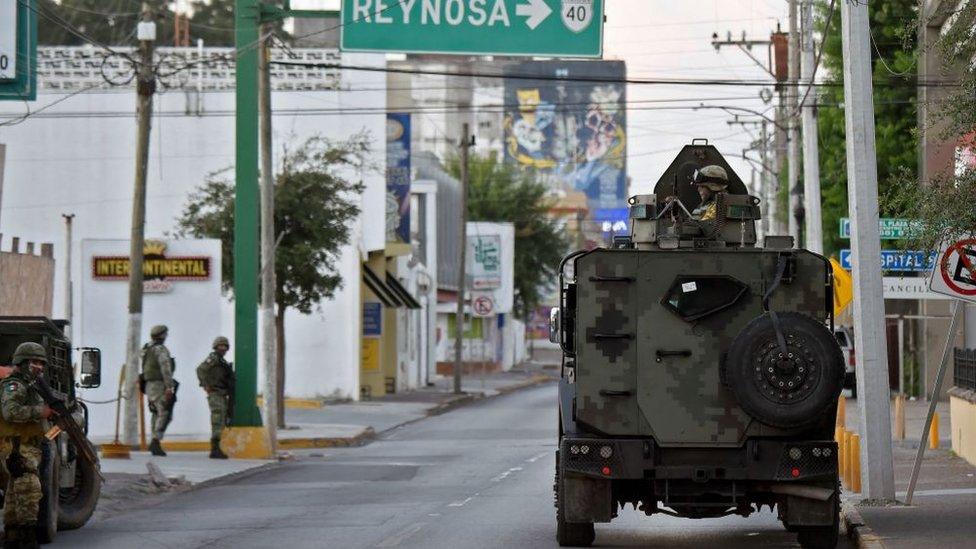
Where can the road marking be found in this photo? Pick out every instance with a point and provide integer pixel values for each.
(461, 503)
(505, 475)
(399, 537)
(943, 492)
(534, 459)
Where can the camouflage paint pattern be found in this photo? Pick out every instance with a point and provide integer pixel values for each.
(22, 494)
(679, 400)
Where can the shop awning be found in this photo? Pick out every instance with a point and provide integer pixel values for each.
(408, 300)
(379, 287)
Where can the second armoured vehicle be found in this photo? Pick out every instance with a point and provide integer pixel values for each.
(700, 375)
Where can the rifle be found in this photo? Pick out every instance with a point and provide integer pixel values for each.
(231, 387)
(66, 423)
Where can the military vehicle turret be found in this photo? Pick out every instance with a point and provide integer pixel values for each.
(699, 377)
(70, 483)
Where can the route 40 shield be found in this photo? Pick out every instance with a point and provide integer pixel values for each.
(955, 272)
(577, 14)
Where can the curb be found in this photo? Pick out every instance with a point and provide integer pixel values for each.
(857, 530)
(368, 434)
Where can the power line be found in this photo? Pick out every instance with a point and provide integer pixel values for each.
(594, 79)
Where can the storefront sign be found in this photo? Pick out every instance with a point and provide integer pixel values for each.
(159, 271)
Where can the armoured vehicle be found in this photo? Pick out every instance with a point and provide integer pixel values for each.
(700, 375)
(70, 484)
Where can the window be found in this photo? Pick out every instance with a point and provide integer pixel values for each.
(695, 297)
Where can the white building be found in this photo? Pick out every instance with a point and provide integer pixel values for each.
(75, 154)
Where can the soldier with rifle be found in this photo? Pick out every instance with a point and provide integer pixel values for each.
(24, 420)
(216, 376)
(158, 385)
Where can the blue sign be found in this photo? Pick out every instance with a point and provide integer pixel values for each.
(897, 260)
(398, 177)
(372, 319)
(613, 220)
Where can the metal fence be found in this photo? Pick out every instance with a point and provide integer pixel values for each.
(965, 369)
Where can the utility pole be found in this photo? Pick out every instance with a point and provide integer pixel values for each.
(68, 218)
(795, 215)
(869, 320)
(273, 405)
(768, 188)
(145, 88)
(813, 228)
(466, 143)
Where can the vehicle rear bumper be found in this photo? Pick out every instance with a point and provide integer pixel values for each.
(764, 460)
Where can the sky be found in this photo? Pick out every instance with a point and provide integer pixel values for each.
(672, 39)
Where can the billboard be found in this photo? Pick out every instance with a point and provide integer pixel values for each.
(567, 119)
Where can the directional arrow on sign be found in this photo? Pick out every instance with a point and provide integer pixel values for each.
(535, 10)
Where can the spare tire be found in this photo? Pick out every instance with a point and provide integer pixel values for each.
(785, 389)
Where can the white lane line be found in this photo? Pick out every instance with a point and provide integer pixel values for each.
(505, 475)
(942, 492)
(461, 503)
(399, 537)
(534, 459)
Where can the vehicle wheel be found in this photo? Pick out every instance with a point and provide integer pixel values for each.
(787, 389)
(821, 537)
(47, 516)
(570, 534)
(78, 502)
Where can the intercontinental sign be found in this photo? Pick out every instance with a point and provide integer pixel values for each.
(159, 270)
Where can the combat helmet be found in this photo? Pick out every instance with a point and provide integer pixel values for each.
(159, 330)
(29, 351)
(220, 340)
(713, 177)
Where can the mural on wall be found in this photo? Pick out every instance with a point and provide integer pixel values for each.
(573, 131)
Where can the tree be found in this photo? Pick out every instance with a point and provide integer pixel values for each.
(944, 204)
(106, 22)
(313, 209)
(500, 192)
(893, 61)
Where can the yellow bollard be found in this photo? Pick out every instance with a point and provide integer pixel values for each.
(847, 459)
(900, 417)
(842, 412)
(839, 438)
(934, 433)
(855, 464)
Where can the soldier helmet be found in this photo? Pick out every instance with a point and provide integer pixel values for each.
(221, 340)
(713, 177)
(159, 330)
(29, 351)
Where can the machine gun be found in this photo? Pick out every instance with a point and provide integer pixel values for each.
(66, 423)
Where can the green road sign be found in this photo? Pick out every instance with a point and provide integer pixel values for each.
(18, 50)
(890, 228)
(563, 28)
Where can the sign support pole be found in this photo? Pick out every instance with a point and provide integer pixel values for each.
(246, 15)
(957, 309)
(862, 177)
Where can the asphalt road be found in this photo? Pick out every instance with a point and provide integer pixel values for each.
(480, 476)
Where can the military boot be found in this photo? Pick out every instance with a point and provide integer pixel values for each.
(215, 451)
(11, 537)
(155, 448)
(28, 538)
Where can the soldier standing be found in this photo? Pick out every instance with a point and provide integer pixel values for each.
(22, 429)
(217, 378)
(160, 387)
(711, 181)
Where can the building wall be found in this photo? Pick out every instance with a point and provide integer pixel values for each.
(78, 157)
(26, 284)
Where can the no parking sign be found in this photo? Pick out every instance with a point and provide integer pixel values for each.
(955, 272)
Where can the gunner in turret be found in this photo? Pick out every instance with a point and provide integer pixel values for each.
(711, 181)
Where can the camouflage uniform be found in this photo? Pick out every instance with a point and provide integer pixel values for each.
(157, 370)
(217, 378)
(22, 429)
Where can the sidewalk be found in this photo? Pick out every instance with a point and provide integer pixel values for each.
(340, 424)
(943, 509)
